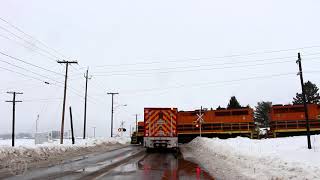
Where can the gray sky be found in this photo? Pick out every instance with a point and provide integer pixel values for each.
(154, 53)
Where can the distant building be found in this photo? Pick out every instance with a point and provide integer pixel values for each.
(55, 134)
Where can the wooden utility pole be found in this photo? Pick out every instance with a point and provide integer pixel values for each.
(71, 124)
(14, 101)
(112, 94)
(64, 96)
(85, 105)
(304, 101)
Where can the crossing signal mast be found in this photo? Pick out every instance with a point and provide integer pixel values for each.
(198, 123)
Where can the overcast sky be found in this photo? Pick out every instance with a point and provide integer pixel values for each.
(182, 53)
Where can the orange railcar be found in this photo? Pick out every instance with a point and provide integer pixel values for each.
(223, 121)
(140, 129)
(140, 133)
(291, 118)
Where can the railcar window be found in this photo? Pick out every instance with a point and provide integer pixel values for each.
(296, 109)
(240, 113)
(282, 110)
(227, 113)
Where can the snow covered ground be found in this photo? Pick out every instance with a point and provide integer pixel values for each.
(26, 151)
(244, 158)
(78, 141)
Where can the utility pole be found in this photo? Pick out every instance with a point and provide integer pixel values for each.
(304, 101)
(85, 105)
(71, 124)
(14, 101)
(112, 94)
(64, 96)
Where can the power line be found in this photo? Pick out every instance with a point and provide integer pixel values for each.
(28, 63)
(31, 37)
(31, 71)
(73, 90)
(43, 100)
(201, 69)
(193, 66)
(212, 83)
(31, 44)
(208, 58)
(27, 47)
(205, 83)
(22, 74)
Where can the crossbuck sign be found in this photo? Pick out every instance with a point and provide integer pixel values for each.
(200, 119)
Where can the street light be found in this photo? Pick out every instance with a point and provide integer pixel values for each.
(112, 112)
(94, 132)
(120, 105)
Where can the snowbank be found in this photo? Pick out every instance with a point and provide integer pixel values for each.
(244, 158)
(29, 152)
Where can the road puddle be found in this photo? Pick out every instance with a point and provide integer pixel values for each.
(158, 166)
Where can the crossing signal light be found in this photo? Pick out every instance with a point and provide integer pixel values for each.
(122, 129)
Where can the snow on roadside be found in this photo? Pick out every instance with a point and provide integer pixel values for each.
(34, 153)
(244, 158)
(78, 141)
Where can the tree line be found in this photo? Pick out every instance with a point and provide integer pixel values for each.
(263, 108)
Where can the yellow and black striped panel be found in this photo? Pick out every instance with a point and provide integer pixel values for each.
(158, 122)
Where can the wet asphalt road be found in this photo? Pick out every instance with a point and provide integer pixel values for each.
(154, 166)
(130, 162)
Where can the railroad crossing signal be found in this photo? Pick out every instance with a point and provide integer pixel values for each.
(122, 130)
(200, 120)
